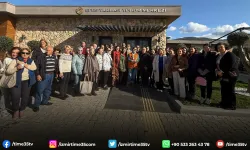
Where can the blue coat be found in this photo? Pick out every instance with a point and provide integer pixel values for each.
(77, 64)
(32, 77)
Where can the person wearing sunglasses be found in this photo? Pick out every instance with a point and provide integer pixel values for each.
(25, 78)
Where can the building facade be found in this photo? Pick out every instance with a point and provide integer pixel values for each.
(61, 25)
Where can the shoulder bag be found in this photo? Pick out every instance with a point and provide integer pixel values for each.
(8, 80)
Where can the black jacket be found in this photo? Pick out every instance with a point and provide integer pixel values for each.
(208, 62)
(229, 63)
(41, 66)
(193, 65)
(145, 61)
(36, 53)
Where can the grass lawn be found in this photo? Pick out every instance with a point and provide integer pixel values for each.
(241, 100)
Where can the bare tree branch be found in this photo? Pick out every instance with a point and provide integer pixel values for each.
(244, 59)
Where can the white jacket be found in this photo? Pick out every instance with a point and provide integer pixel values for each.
(100, 61)
(6, 63)
(107, 61)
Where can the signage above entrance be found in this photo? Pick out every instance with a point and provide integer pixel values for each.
(144, 10)
(148, 11)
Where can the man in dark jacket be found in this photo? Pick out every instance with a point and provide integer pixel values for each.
(47, 66)
(35, 54)
(206, 69)
(144, 66)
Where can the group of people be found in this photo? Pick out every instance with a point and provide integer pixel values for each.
(41, 72)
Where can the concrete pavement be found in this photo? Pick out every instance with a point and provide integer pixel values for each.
(85, 119)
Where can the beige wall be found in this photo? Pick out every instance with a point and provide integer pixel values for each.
(61, 31)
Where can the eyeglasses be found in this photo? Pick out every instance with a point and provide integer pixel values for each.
(25, 53)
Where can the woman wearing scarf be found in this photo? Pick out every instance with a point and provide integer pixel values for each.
(107, 65)
(77, 67)
(6, 104)
(228, 72)
(123, 67)
(25, 78)
(91, 69)
(115, 69)
(65, 65)
(159, 69)
(178, 65)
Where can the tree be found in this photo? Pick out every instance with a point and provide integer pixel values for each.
(33, 44)
(239, 39)
(6, 43)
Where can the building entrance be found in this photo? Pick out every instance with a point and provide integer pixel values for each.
(141, 41)
(105, 40)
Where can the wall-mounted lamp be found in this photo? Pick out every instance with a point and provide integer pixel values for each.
(22, 38)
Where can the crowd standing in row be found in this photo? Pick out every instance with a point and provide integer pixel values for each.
(46, 69)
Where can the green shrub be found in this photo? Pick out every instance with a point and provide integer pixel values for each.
(6, 43)
(33, 44)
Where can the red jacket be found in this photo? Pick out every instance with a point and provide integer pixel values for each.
(116, 59)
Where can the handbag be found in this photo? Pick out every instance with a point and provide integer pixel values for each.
(8, 80)
(201, 81)
(182, 73)
(86, 86)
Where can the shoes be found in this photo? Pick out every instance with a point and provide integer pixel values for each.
(97, 89)
(105, 87)
(202, 100)
(231, 108)
(48, 104)
(62, 97)
(93, 93)
(80, 94)
(20, 114)
(208, 101)
(15, 115)
(36, 109)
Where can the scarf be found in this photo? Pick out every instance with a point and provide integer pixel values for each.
(25, 60)
(116, 58)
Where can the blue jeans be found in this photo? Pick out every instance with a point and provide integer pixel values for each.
(43, 90)
(77, 82)
(132, 74)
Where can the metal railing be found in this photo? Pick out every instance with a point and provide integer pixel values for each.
(239, 29)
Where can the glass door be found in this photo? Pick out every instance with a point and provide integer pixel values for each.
(141, 41)
(105, 40)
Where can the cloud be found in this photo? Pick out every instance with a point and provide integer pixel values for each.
(224, 29)
(193, 27)
(172, 28)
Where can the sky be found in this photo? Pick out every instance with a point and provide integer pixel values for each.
(200, 18)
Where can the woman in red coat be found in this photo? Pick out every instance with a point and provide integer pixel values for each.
(115, 65)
